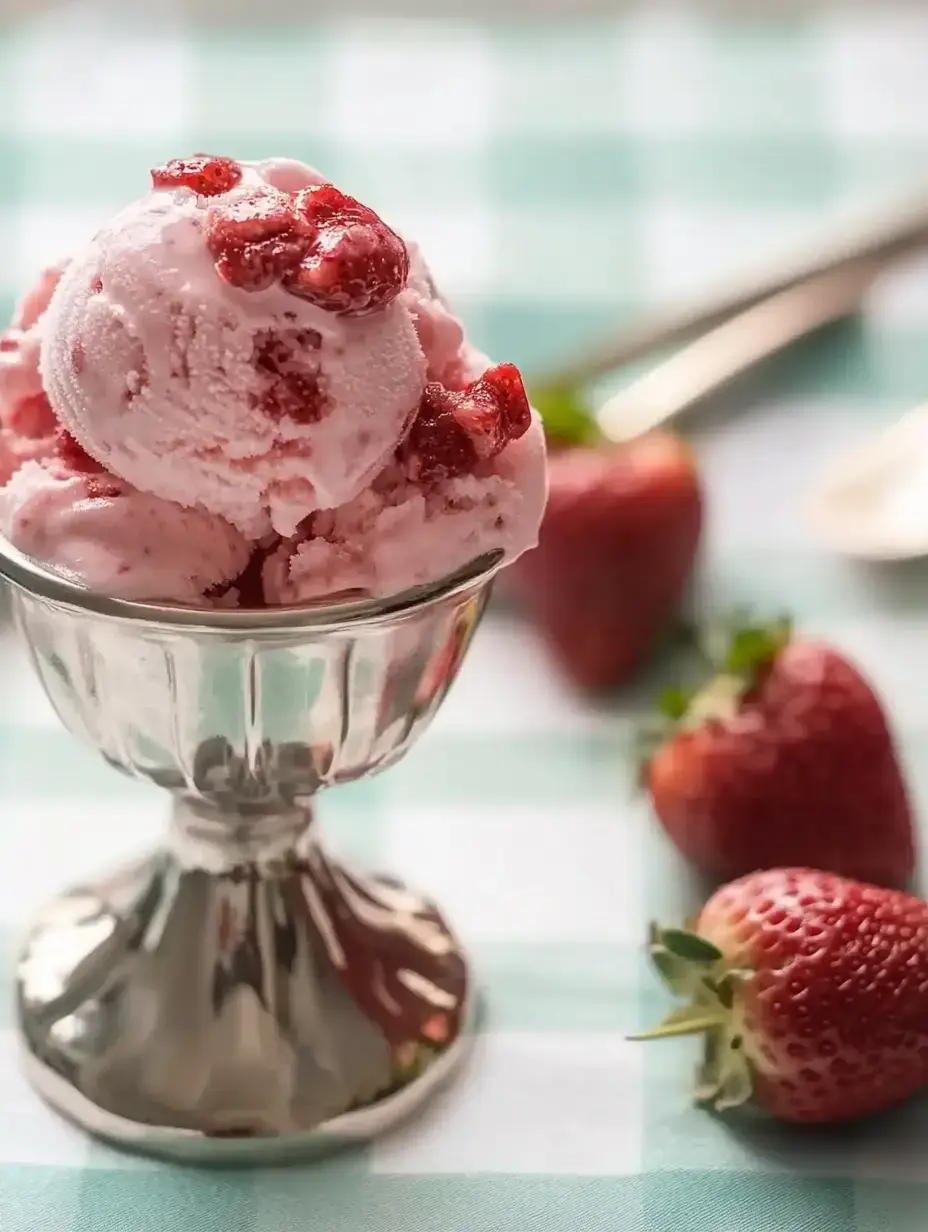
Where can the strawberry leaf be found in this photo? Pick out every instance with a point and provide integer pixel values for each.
(673, 703)
(684, 1016)
(735, 1087)
(690, 946)
(567, 417)
(734, 653)
(716, 634)
(739, 975)
(697, 973)
(738, 640)
(723, 989)
(753, 646)
(680, 1022)
(674, 972)
(707, 1080)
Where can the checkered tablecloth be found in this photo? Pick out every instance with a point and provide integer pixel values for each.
(560, 178)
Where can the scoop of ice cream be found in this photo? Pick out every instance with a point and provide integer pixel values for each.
(27, 422)
(16, 449)
(266, 400)
(440, 333)
(32, 305)
(19, 369)
(470, 479)
(24, 407)
(237, 340)
(69, 513)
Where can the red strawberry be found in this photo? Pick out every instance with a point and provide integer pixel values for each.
(811, 993)
(616, 549)
(784, 758)
(207, 174)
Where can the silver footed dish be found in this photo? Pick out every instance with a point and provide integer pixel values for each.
(238, 994)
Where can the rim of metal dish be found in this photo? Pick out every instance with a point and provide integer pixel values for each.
(59, 588)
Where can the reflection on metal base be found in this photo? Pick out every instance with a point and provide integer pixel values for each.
(192, 1147)
(256, 1012)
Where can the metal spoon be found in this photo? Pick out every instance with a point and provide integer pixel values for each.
(873, 503)
(704, 366)
(882, 237)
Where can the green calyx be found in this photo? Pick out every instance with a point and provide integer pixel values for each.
(709, 989)
(567, 417)
(736, 655)
(744, 648)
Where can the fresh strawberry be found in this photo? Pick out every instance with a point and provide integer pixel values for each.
(616, 548)
(785, 757)
(811, 993)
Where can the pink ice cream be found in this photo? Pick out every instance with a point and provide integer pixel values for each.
(117, 540)
(16, 449)
(262, 399)
(179, 359)
(27, 422)
(440, 333)
(403, 532)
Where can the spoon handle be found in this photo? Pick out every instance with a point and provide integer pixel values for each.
(884, 237)
(703, 367)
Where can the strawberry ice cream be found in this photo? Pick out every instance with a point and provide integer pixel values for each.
(69, 513)
(197, 350)
(16, 449)
(440, 333)
(252, 376)
(428, 514)
(27, 422)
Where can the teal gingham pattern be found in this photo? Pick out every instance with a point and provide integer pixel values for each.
(560, 179)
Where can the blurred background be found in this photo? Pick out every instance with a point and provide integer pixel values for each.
(562, 173)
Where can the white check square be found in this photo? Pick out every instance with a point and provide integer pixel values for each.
(399, 85)
(663, 75)
(568, 1105)
(33, 709)
(87, 79)
(517, 872)
(43, 234)
(873, 67)
(531, 694)
(456, 243)
(50, 844)
(687, 248)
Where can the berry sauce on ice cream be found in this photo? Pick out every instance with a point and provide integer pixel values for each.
(259, 369)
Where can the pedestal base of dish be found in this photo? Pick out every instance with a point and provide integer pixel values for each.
(241, 997)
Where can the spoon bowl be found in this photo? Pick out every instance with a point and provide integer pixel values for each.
(872, 504)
